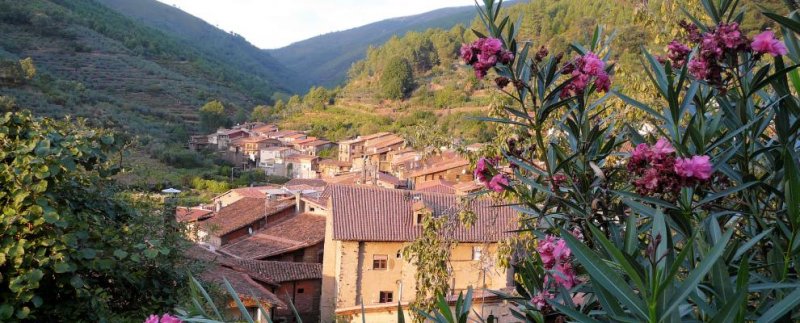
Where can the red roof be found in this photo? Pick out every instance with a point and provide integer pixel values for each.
(305, 181)
(242, 279)
(436, 186)
(366, 213)
(282, 271)
(441, 163)
(185, 214)
(295, 233)
(243, 213)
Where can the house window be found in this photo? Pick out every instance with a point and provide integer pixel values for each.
(386, 297)
(379, 262)
(419, 217)
(301, 290)
(477, 252)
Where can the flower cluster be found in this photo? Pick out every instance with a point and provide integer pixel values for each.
(166, 318)
(483, 173)
(660, 172)
(583, 69)
(765, 43)
(555, 255)
(485, 53)
(717, 46)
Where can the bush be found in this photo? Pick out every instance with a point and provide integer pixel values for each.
(698, 225)
(72, 248)
(396, 79)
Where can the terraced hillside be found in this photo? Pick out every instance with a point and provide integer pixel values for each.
(94, 62)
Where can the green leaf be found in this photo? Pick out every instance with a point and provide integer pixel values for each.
(401, 317)
(619, 259)
(37, 301)
(788, 303)
(121, 254)
(88, 253)
(689, 285)
(6, 310)
(151, 253)
(605, 276)
(784, 21)
(232, 293)
(725, 193)
(76, 281)
(572, 313)
(61, 267)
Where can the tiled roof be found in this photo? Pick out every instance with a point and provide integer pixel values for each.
(255, 191)
(467, 187)
(374, 135)
(242, 279)
(335, 162)
(298, 232)
(185, 214)
(282, 271)
(305, 181)
(436, 186)
(266, 128)
(315, 143)
(243, 213)
(308, 139)
(441, 163)
(301, 157)
(366, 213)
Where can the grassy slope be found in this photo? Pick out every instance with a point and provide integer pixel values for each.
(89, 64)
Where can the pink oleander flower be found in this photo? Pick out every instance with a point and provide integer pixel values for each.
(485, 53)
(603, 83)
(498, 183)
(697, 167)
(730, 36)
(151, 319)
(592, 64)
(678, 53)
(699, 68)
(766, 43)
(564, 275)
(481, 169)
(540, 300)
(166, 318)
(662, 148)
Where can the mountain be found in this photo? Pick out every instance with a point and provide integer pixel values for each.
(325, 59)
(128, 70)
(222, 45)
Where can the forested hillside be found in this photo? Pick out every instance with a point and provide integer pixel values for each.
(324, 60)
(441, 93)
(94, 62)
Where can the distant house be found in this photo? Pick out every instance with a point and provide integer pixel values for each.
(198, 142)
(191, 216)
(314, 147)
(223, 137)
(249, 126)
(233, 195)
(363, 266)
(353, 149)
(281, 134)
(301, 166)
(253, 146)
(242, 218)
(402, 162)
(376, 152)
(292, 138)
(264, 130)
(273, 160)
(333, 167)
(448, 166)
(368, 177)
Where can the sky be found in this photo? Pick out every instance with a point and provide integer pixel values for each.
(277, 23)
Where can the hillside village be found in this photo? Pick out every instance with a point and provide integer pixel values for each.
(329, 241)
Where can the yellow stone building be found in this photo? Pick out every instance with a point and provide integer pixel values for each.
(363, 264)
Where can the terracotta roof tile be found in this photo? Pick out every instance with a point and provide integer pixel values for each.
(282, 271)
(305, 181)
(436, 186)
(241, 278)
(243, 213)
(366, 213)
(185, 214)
(301, 231)
(440, 163)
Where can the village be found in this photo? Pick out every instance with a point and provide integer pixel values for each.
(329, 241)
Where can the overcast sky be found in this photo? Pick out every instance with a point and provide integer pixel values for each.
(277, 23)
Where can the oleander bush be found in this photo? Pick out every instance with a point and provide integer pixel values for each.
(694, 216)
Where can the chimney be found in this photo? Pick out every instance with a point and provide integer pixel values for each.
(219, 206)
(299, 205)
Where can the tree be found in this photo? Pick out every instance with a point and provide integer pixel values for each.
(397, 79)
(73, 247)
(212, 116)
(261, 113)
(28, 68)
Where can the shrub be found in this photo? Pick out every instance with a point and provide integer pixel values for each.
(700, 224)
(397, 79)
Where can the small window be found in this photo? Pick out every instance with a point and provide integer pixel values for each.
(386, 297)
(301, 290)
(477, 252)
(379, 262)
(420, 217)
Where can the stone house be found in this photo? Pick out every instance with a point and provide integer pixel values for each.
(252, 146)
(314, 147)
(223, 137)
(273, 160)
(352, 149)
(301, 166)
(264, 130)
(448, 166)
(363, 263)
(297, 283)
(333, 167)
